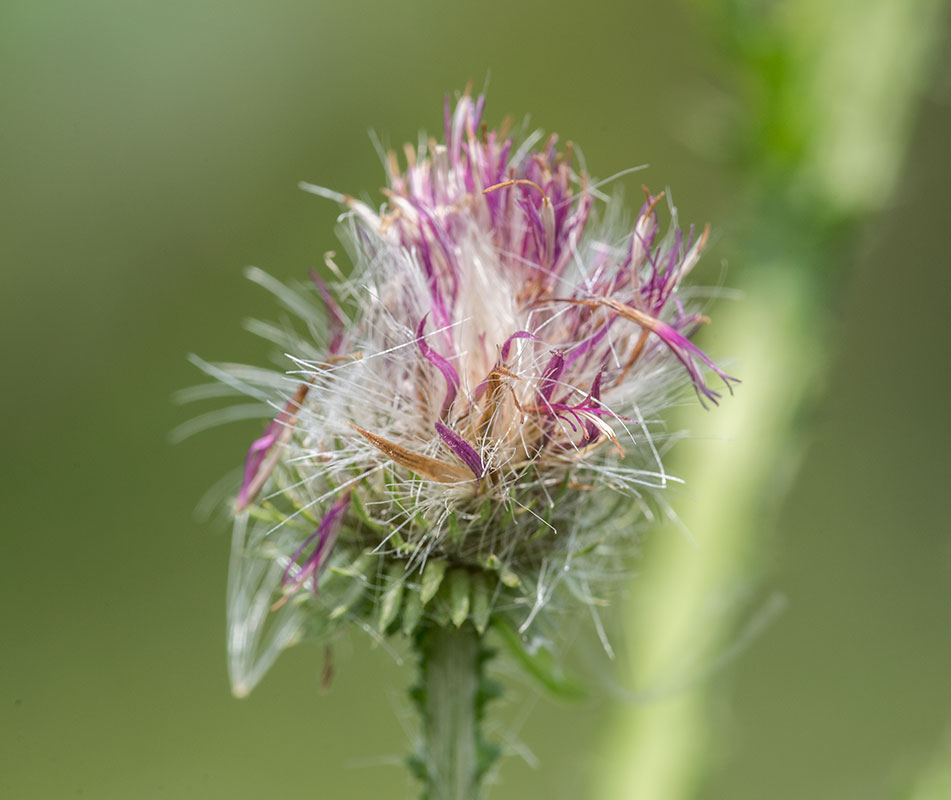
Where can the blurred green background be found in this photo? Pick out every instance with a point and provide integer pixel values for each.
(148, 151)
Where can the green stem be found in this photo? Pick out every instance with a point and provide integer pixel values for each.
(450, 699)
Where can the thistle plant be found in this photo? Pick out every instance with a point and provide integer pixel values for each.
(466, 434)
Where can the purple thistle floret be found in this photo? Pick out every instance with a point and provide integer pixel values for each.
(325, 537)
(440, 363)
(264, 451)
(465, 451)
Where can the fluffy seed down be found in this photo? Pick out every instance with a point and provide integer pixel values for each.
(480, 398)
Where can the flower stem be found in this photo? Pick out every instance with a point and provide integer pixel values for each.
(450, 699)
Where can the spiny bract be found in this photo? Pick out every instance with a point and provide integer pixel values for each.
(464, 426)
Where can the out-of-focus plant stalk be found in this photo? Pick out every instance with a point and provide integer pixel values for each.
(934, 783)
(833, 88)
(681, 608)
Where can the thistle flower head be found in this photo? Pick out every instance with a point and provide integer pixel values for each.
(466, 404)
